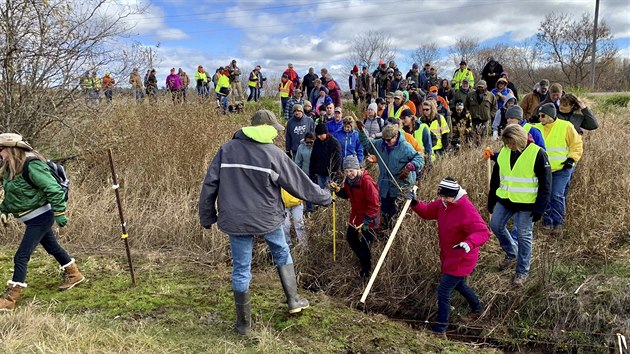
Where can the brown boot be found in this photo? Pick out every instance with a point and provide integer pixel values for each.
(72, 276)
(11, 295)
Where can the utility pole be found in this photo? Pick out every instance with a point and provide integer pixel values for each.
(594, 46)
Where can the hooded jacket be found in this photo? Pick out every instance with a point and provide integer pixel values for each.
(26, 202)
(296, 130)
(457, 222)
(241, 190)
(499, 118)
(364, 200)
(396, 159)
(350, 144)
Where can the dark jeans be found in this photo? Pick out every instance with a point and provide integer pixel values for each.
(38, 230)
(448, 283)
(388, 211)
(360, 244)
(254, 93)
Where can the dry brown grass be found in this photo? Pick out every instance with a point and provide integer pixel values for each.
(162, 154)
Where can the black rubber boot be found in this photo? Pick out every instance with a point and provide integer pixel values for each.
(243, 313)
(289, 284)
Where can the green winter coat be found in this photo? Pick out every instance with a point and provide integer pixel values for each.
(20, 198)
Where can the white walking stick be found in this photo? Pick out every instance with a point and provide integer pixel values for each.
(387, 246)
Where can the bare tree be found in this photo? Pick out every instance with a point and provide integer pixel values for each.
(368, 48)
(464, 49)
(567, 42)
(426, 53)
(44, 47)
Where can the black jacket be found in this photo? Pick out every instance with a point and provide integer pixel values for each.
(542, 169)
(325, 158)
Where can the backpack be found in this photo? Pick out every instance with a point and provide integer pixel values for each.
(56, 170)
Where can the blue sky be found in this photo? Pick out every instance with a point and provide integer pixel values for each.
(317, 33)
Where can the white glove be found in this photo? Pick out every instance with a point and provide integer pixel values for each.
(495, 135)
(463, 245)
(4, 219)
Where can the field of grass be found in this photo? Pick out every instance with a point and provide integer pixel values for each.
(183, 300)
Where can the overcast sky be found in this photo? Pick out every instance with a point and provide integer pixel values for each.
(317, 33)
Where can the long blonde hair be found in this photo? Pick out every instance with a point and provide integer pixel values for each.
(433, 112)
(16, 159)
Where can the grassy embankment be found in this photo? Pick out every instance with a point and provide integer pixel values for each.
(162, 153)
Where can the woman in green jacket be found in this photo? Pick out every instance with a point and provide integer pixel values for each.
(37, 205)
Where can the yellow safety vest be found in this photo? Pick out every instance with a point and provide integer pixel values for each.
(392, 114)
(284, 89)
(253, 83)
(527, 127)
(461, 75)
(518, 184)
(556, 143)
(438, 130)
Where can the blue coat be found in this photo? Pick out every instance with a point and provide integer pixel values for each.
(396, 159)
(350, 144)
(333, 127)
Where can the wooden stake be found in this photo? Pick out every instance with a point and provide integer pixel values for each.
(387, 246)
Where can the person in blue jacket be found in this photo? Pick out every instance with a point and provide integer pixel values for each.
(397, 157)
(349, 139)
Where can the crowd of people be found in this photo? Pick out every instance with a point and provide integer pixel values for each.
(407, 126)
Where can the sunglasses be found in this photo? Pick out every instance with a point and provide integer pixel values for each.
(388, 140)
(426, 109)
(541, 115)
(308, 142)
(337, 112)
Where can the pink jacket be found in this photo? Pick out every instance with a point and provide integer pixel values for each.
(457, 222)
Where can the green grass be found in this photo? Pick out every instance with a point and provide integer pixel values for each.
(180, 305)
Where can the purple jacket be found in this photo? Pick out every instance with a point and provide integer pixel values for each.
(173, 82)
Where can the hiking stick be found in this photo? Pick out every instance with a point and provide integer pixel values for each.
(123, 225)
(489, 171)
(387, 246)
(334, 225)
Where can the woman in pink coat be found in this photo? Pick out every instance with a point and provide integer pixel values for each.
(461, 232)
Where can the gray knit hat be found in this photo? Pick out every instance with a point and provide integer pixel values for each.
(514, 112)
(548, 109)
(351, 162)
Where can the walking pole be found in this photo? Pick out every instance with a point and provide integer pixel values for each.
(123, 225)
(334, 222)
(387, 246)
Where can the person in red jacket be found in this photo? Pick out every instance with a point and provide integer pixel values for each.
(365, 204)
(461, 232)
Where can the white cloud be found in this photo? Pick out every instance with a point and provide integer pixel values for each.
(170, 34)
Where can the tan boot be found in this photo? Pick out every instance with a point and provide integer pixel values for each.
(72, 276)
(11, 295)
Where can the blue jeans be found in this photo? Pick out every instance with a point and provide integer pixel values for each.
(448, 283)
(322, 181)
(521, 248)
(254, 93)
(241, 247)
(554, 215)
(38, 230)
(224, 101)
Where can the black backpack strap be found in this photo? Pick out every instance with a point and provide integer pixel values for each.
(26, 173)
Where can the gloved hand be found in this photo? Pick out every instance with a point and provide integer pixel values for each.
(487, 153)
(360, 125)
(4, 218)
(412, 196)
(536, 216)
(404, 173)
(365, 228)
(61, 220)
(495, 135)
(568, 164)
(333, 186)
(371, 159)
(463, 245)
